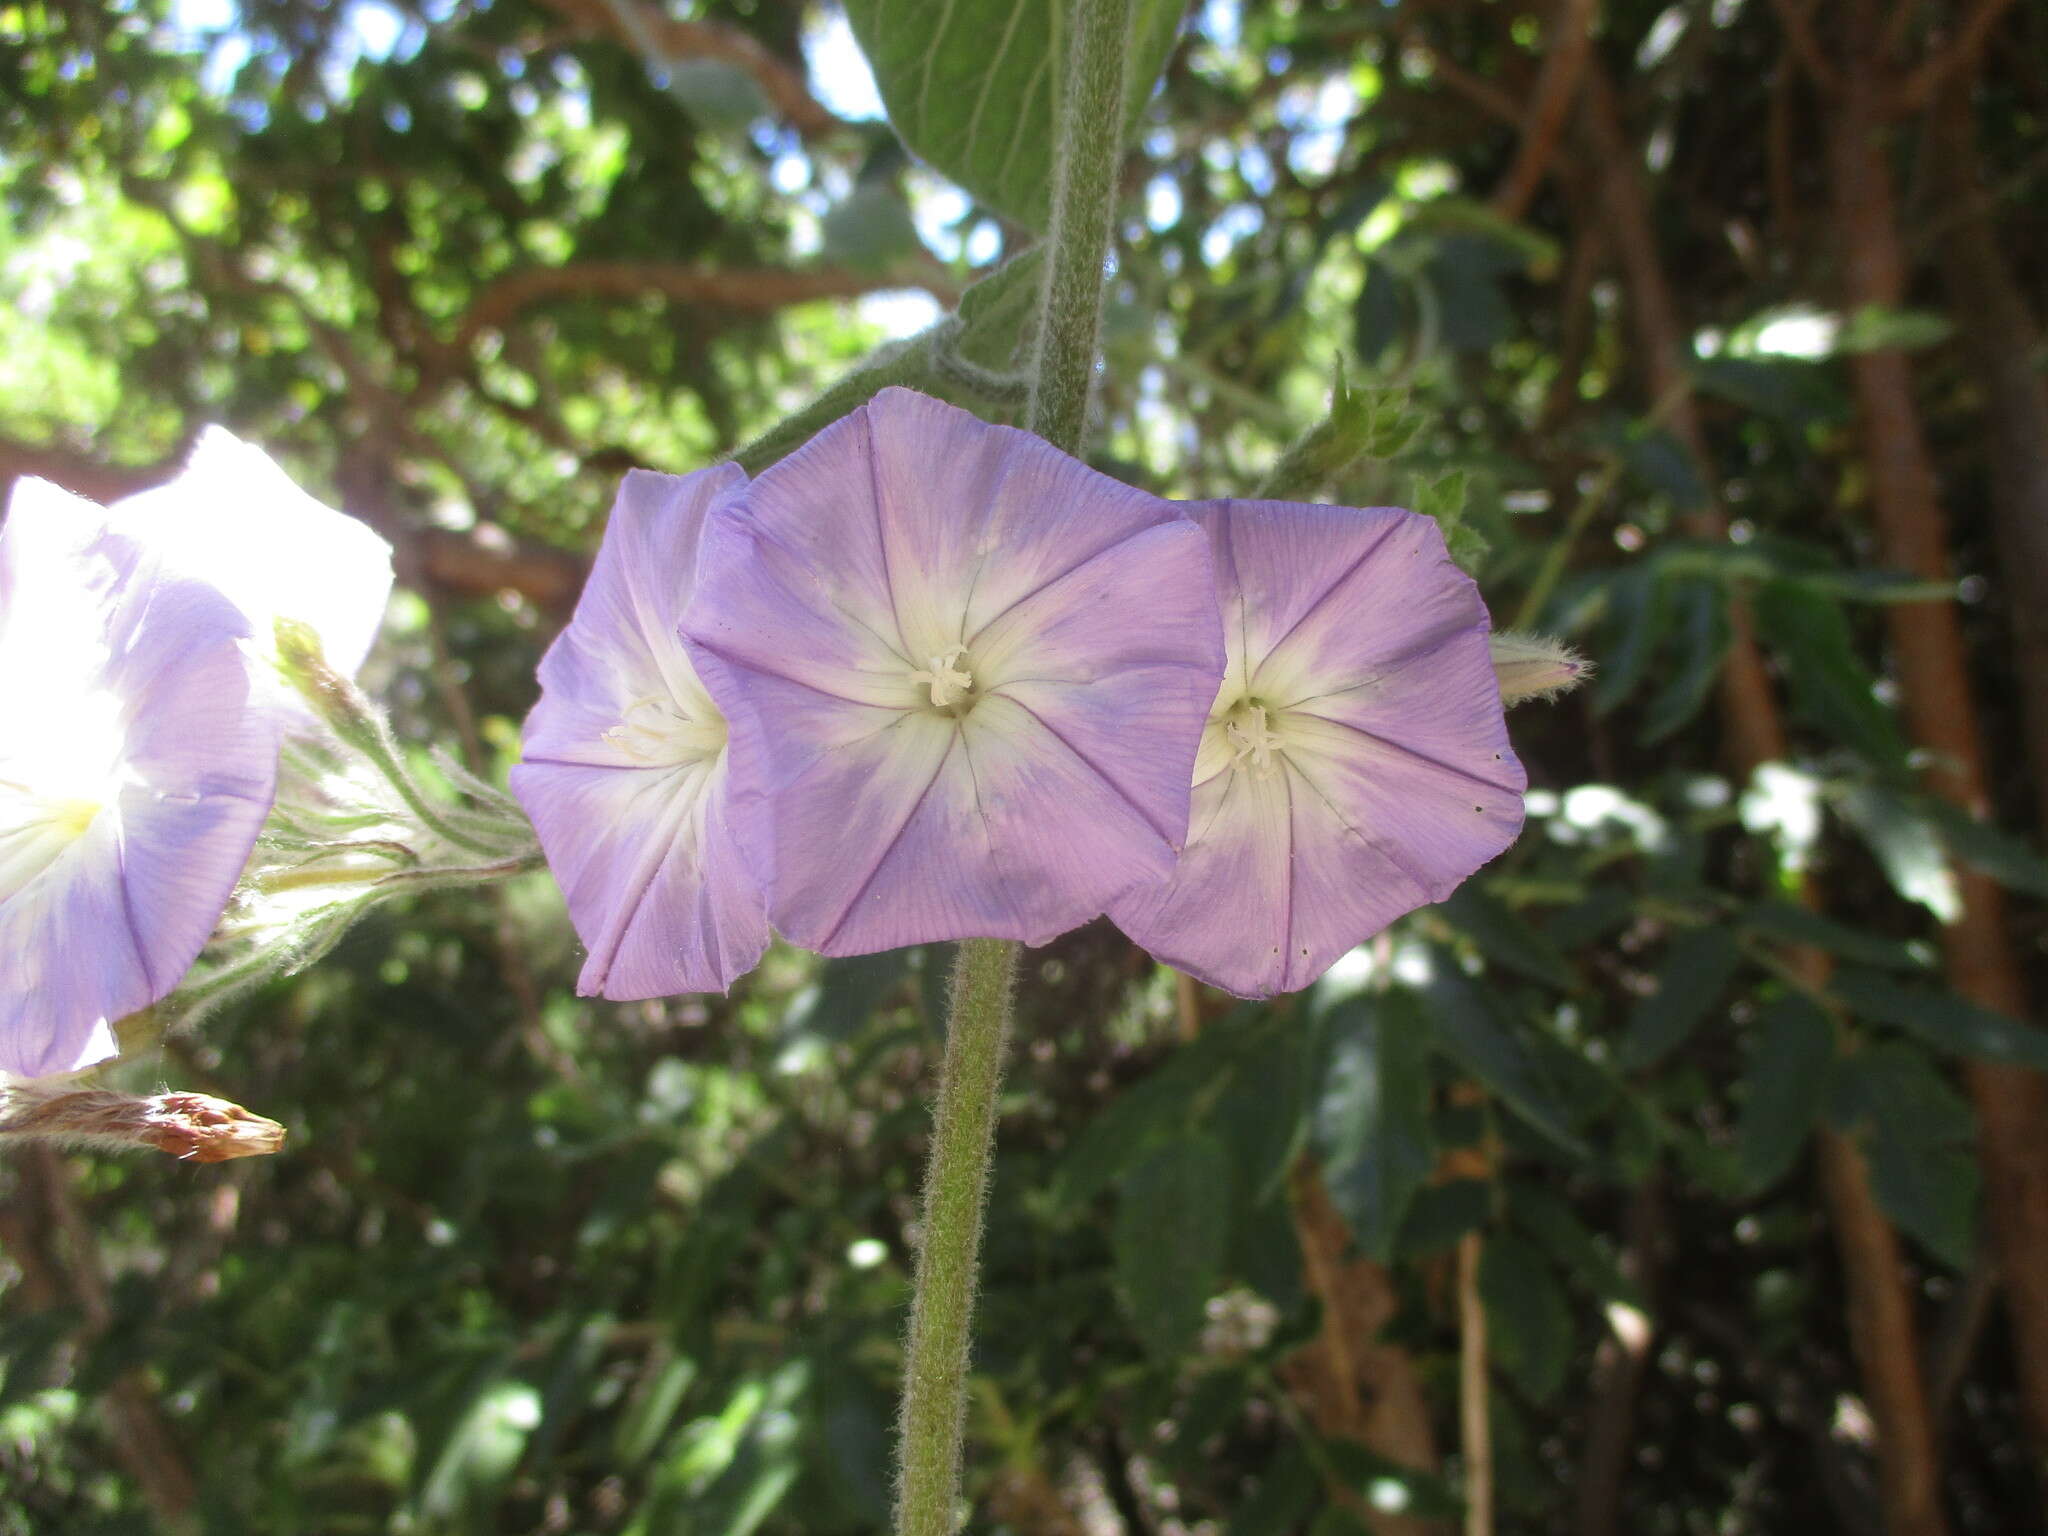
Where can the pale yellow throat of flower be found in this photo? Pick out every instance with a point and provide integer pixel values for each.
(656, 730)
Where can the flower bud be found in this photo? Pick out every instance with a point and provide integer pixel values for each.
(334, 698)
(1535, 667)
(195, 1127)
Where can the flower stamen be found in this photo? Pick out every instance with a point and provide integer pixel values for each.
(949, 684)
(1252, 737)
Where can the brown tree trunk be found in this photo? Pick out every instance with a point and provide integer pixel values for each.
(1351, 1385)
(2001, 338)
(1927, 646)
(1882, 1326)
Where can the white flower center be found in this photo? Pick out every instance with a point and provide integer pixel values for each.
(1251, 738)
(656, 730)
(949, 684)
(53, 787)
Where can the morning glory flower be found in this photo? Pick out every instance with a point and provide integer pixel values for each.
(625, 770)
(235, 520)
(966, 677)
(1356, 763)
(135, 773)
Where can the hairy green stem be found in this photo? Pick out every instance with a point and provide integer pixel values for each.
(978, 1023)
(956, 1185)
(1084, 190)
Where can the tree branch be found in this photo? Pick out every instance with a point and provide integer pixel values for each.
(1798, 22)
(1921, 85)
(1556, 87)
(752, 290)
(664, 41)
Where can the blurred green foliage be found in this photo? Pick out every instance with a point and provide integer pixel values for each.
(536, 1264)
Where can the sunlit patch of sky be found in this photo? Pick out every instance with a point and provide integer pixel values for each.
(899, 312)
(1317, 117)
(937, 207)
(1233, 225)
(840, 77)
(370, 29)
(1223, 21)
(1162, 202)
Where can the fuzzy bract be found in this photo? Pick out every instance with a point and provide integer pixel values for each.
(1355, 764)
(625, 770)
(966, 677)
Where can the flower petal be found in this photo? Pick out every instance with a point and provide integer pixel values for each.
(235, 520)
(622, 646)
(72, 966)
(146, 736)
(658, 890)
(1391, 779)
(1085, 614)
(202, 760)
(971, 518)
(625, 774)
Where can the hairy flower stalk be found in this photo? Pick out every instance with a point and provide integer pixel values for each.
(978, 1022)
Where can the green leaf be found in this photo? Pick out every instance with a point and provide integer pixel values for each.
(1831, 688)
(1528, 1316)
(1791, 1055)
(1155, 1109)
(1984, 847)
(1372, 1122)
(1918, 1136)
(1505, 936)
(1904, 843)
(1169, 1240)
(1638, 610)
(972, 86)
(1376, 319)
(1879, 328)
(1440, 1214)
(1287, 1491)
(1549, 1219)
(1697, 968)
(1464, 1023)
(652, 1407)
(1261, 1113)
(845, 995)
(1792, 390)
(1703, 640)
(1945, 1021)
(1788, 924)
(870, 229)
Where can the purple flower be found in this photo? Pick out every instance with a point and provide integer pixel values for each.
(135, 773)
(966, 677)
(236, 521)
(1356, 763)
(625, 763)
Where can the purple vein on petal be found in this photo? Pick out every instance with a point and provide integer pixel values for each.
(889, 847)
(1322, 597)
(603, 953)
(1119, 790)
(1051, 581)
(1412, 753)
(1386, 848)
(1424, 649)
